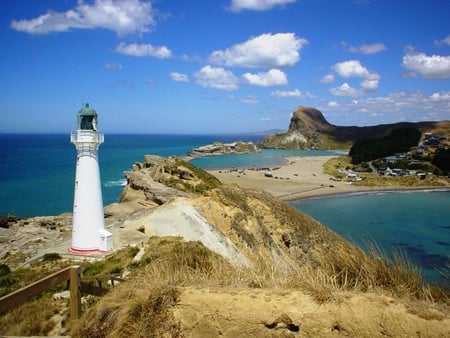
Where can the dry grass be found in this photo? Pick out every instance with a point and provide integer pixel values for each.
(138, 309)
(141, 307)
(34, 318)
(331, 166)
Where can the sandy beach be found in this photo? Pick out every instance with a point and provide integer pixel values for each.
(300, 177)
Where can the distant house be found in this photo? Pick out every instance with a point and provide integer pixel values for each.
(433, 140)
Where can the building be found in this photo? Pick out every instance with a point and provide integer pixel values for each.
(88, 225)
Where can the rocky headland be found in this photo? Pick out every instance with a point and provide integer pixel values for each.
(308, 129)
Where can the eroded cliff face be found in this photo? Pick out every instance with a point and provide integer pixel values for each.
(265, 228)
(156, 180)
(260, 226)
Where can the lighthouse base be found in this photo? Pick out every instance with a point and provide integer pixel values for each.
(88, 251)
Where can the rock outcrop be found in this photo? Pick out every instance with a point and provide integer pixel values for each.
(218, 148)
(157, 180)
(308, 129)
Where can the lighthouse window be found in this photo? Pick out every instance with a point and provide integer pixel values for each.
(87, 123)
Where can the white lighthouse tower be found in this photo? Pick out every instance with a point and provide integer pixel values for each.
(88, 227)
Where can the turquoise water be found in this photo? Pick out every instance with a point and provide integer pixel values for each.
(414, 223)
(37, 176)
(37, 171)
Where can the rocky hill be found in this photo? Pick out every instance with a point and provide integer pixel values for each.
(308, 128)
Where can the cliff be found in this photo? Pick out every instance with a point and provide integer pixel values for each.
(308, 129)
(206, 259)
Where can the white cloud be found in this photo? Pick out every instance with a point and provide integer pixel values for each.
(218, 78)
(395, 107)
(121, 16)
(430, 67)
(257, 5)
(333, 104)
(345, 90)
(441, 97)
(353, 68)
(250, 99)
(291, 93)
(273, 77)
(371, 82)
(327, 78)
(445, 41)
(179, 77)
(134, 49)
(368, 49)
(266, 50)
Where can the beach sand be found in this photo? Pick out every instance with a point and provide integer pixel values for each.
(300, 177)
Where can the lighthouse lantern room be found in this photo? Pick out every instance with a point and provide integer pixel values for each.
(88, 225)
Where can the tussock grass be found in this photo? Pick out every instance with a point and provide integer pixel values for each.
(35, 317)
(31, 319)
(141, 307)
(111, 265)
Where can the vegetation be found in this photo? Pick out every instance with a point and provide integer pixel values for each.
(442, 159)
(142, 306)
(187, 177)
(208, 181)
(111, 265)
(399, 140)
(35, 318)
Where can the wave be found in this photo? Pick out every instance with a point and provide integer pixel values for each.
(119, 183)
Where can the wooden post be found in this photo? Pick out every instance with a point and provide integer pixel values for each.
(75, 294)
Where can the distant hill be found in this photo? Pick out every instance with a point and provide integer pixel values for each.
(308, 128)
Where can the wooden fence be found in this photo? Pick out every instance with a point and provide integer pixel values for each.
(76, 286)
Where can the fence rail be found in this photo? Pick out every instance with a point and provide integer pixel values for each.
(76, 286)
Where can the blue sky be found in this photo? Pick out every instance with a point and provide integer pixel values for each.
(221, 66)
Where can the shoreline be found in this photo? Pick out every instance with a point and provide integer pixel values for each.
(302, 178)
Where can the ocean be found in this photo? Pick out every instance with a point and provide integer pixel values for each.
(37, 175)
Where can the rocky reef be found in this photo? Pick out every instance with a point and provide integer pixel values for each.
(218, 148)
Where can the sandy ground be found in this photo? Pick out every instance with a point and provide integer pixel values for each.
(292, 313)
(301, 177)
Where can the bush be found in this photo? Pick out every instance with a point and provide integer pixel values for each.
(442, 159)
(4, 270)
(400, 140)
(50, 257)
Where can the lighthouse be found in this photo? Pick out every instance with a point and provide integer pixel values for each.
(88, 225)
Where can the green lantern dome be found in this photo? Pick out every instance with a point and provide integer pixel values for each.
(87, 118)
